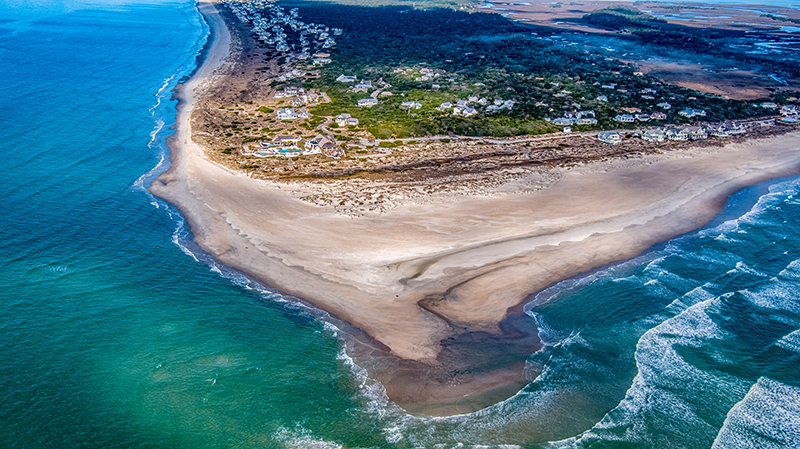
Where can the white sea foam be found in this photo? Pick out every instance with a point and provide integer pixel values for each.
(768, 417)
(300, 438)
(668, 393)
(790, 342)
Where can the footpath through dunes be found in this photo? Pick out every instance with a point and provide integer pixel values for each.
(437, 288)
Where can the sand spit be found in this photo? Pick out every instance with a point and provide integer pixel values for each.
(421, 274)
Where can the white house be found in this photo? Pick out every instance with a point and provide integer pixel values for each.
(664, 105)
(677, 134)
(697, 133)
(444, 106)
(345, 119)
(653, 135)
(625, 118)
(346, 79)
(367, 102)
(609, 137)
(286, 114)
(410, 105)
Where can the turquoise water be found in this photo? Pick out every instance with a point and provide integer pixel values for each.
(116, 332)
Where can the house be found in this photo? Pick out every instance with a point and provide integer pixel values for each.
(331, 150)
(498, 102)
(789, 121)
(586, 121)
(609, 137)
(469, 112)
(609, 86)
(321, 61)
(315, 145)
(632, 110)
(286, 141)
(586, 114)
(410, 105)
(508, 104)
(345, 119)
(689, 113)
(567, 130)
(472, 99)
(289, 92)
(435, 86)
(346, 79)
(677, 134)
(483, 101)
(461, 102)
(561, 121)
(658, 116)
(719, 131)
(444, 106)
(664, 105)
(789, 110)
(602, 98)
(643, 117)
(625, 118)
(697, 133)
(769, 105)
(286, 114)
(367, 102)
(466, 111)
(654, 135)
(733, 129)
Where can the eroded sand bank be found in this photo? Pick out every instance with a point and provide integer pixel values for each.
(419, 274)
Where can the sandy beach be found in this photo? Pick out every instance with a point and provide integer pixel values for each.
(423, 273)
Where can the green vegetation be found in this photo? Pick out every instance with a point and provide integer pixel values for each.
(484, 56)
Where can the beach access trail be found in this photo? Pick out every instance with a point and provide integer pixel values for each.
(419, 274)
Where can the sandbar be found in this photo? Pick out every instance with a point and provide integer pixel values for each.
(423, 274)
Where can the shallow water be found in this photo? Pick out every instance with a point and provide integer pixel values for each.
(116, 331)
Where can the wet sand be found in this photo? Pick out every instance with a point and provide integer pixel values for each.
(428, 283)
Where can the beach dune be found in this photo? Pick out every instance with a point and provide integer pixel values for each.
(420, 274)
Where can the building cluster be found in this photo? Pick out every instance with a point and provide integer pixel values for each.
(630, 118)
(465, 107)
(686, 133)
(576, 118)
(302, 98)
(726, 129)
(268, 22)
(292, 146)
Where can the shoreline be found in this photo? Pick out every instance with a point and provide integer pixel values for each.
(435, 288)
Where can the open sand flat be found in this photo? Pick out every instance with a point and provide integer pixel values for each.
(423, 273)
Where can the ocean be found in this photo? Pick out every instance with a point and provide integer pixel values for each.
(116, 331)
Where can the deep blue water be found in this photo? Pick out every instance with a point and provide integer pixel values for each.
(114, 332)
